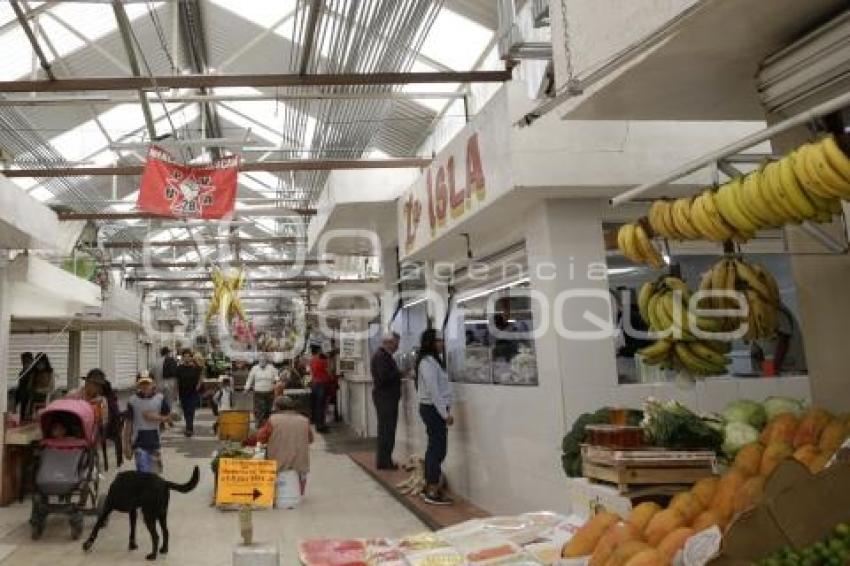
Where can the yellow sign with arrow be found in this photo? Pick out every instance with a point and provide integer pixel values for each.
(246, 482)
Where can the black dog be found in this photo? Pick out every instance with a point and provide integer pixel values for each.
(133, 490)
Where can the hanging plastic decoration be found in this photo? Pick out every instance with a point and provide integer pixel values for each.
(225, 301)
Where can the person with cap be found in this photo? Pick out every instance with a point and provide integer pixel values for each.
(435, 401)
(261, 380)
(386, 394)
(147, 409)
(93, 390)
(288, 436)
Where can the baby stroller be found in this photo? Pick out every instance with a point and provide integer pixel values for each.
(67, 472)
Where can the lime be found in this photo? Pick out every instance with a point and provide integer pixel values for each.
(842, 529)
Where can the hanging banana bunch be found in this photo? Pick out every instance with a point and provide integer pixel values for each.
(756, 285)
(635, 244)
(225, 300)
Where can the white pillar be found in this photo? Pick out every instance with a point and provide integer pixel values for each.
(5, 320)
(566, 258)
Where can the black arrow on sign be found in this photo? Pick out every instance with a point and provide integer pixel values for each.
(256, 494)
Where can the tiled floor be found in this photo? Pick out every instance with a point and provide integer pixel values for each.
(342, 501)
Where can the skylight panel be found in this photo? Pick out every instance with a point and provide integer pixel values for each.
(456, 41)
(262, 14)
(15, 41)
(435, 104)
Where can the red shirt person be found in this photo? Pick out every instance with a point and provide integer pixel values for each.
(321, 385)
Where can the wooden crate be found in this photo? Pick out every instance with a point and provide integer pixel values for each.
(644, 467)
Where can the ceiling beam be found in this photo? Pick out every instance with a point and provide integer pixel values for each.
(67, 216)
(127, 37)
(196, 264)
(257, 81)
(269, 166)
(251, 280)
(25, 25)
(138, 244)
(309, 36)
(184, 98)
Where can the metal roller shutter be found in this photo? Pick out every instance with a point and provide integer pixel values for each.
(90, 355)
(54, 345)
(126, 355)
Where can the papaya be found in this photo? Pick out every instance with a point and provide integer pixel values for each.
(615, 535)
(673, 542)
(724, 499)
(587, 537)
(774, 453)
(708, 519)
(780, 429)
(819, 463)
(704, 489)
(642, 513)
(833, 436)
(647, 557)
(811, 427)
(749, 493)
(687, 504)
(624, 552)
(748, 459)
(806, 454)
(662, 524)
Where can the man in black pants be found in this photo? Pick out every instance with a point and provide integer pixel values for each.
(386, 394)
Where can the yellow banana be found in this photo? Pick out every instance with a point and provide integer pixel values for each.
(728, 207)
(714, 215)
(644, 295)
(681, 212)
(801, 170)
(667, 216)
(708, 355)
(656, 221)
(836, 157)
(718, 281)
(652, 319)
(756, 205)
(646, 249)
(655, 353)
(751, 278)
(770, 282)
(626, 243)
(694, 363)
(701, 220)
(828, 177)
(774, 195)
(796, 195)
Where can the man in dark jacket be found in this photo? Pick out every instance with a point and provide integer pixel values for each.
(386, 394)
(188, 384)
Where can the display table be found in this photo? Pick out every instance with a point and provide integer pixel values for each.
(18, 457)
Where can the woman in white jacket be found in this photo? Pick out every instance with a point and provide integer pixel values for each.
(435, 399)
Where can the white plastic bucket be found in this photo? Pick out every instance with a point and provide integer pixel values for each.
(287, 490)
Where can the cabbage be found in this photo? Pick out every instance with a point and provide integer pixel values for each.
(774, 406)
(736, 435)
(747, 412)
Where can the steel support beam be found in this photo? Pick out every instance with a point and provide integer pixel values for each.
(191, 243)
(310, 36)
(67, 216)
(127, 37)
(25, 25)
(270, 166)
(257, 81)
(195, 264)
(87, 99)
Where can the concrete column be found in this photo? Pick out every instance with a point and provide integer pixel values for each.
(75, 347)
(5, 320)
(567, 266)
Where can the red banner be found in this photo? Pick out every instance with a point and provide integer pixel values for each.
(173, 189)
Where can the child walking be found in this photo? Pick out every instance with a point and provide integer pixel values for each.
(222, 399)
(146, 410)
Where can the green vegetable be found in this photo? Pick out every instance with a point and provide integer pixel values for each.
(736, 435)
(672, 425)
(774, 406)
(747, 412)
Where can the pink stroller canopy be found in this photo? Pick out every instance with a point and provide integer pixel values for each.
(78, 418)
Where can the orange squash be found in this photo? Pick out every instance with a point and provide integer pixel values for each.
(674, 542)
(811, 426)
(748, 459)
(647, 557)
(662, 524)
(708, 519)
(749, 493)
(587, 537)
(724, 499)
(642, 513)
(833, 436)
(705, 489)
(781, 429)
(614, 536)
(687, 504)
(773, 455)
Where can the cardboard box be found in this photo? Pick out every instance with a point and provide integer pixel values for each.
(798, 510)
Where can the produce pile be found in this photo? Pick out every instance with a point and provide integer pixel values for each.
(671, 425)
(807, 184)
(663, 304)
(571, 445)
(531, 539)
(652, 535)
(833, 550)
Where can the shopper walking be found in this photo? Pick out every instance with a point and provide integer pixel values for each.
(386, 394)
(288, 436)
(261, 380)
(23, 391)
(165, 374)
(147, 409)
(188, 385)
(435, 399)
(321, 383)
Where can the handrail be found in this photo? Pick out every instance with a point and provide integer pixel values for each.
(765, 134)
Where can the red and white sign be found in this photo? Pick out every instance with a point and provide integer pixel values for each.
(169, 188)
(468, 174)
